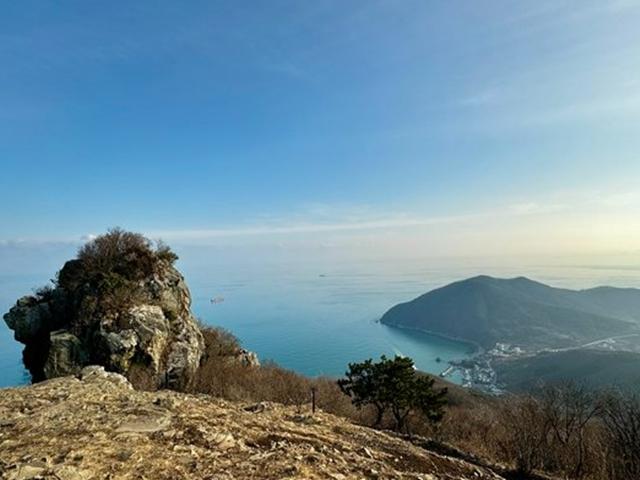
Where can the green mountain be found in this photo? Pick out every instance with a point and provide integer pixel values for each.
(520, 311)
(594, 368)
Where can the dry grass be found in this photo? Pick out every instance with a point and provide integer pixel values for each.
(560, 431)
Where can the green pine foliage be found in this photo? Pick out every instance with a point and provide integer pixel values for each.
(393, 385)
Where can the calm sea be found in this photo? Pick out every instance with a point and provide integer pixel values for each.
(316, 317)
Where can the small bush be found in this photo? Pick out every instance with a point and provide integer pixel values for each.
(108, 275)
(44, 293)
(164, 253)
(219, 342)
(124, 254)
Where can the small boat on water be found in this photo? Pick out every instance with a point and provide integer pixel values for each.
(216, 300)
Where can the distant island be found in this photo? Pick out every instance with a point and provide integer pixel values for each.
(519, 311)
(528, 331)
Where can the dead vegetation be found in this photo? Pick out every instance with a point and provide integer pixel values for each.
(107, 277)
(566, 431)
(99, 428)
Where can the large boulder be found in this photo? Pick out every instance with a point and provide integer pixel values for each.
(139, 325)
(66, 355)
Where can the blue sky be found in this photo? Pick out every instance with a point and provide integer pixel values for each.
(451, 127)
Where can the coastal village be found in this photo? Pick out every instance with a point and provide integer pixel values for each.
(477, 372)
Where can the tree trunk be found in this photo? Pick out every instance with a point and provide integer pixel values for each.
(379, 415)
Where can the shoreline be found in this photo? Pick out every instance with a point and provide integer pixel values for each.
(477, 348)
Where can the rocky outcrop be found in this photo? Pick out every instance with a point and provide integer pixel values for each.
(247, 358)
(154, 341)
(95, 426)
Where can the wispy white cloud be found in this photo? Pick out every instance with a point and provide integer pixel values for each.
(502, 114)
(531, 208)
(617, 6)
(619, 199)
(325, 219)
(587, 75)
(303, 228)
(485, 97)
(584, 111)
(578, 221)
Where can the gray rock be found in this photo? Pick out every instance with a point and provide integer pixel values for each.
(145, 424)
(152, 330)
(154, 343)
(26, 472)
(248, 358)
(119, 348)
(28, 319)
(96, 373)
(66, 355)
(68, 472)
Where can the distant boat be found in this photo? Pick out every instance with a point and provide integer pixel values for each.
(322, 275)
(216, 300)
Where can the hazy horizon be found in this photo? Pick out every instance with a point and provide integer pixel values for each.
(290, 309)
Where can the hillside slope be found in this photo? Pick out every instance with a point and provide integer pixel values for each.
(486, 310)
(98, 427)
(594, 368)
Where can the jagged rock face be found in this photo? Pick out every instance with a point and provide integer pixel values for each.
(155, 342)
(248, 359)
(66, 354)
(95, 426)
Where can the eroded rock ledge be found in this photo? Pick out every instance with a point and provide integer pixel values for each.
(138, 323)
(95, 426)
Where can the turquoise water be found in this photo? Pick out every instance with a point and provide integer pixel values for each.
(11, 370)
(317, 324)
(316, 317)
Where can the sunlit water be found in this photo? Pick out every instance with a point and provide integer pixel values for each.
(316, 317)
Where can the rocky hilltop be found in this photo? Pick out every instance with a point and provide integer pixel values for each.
(96, 426)
(121, 304)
